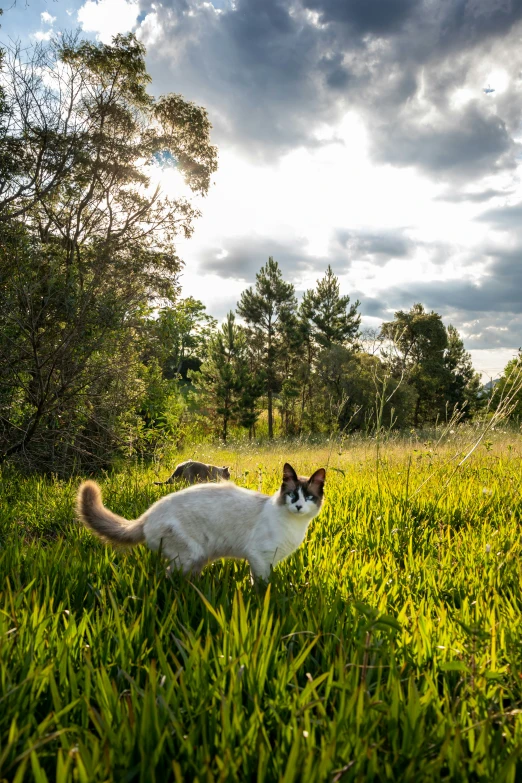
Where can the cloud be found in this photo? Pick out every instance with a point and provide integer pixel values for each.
(504, 218)
(379, 246)
(240, 258)
(364, 16)
(43, 36)
(46, 18)
(469, 144)
(476, 198)
(487, 310)
(272, 73)
(107, 18)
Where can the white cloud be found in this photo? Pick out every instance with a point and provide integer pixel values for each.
(47, 18)
(150, 29)
(41, 36)
(107, 18)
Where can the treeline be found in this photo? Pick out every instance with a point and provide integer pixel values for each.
(99, 353)
(312, 369)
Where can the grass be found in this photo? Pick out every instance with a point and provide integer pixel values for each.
(389, 647)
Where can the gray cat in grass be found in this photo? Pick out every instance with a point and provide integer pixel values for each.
(196, 472)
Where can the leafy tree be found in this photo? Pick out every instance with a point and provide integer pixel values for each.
(87, 241)
(418, 344)
(268, 308)
(178, 337)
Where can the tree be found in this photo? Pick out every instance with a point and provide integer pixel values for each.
(509, 386)
(463, 382)
(418, 345)
(330, 328)
(87, 241)
(358, 392)
(178, 337)
(268, 308)
(224, 384)
(333, 320)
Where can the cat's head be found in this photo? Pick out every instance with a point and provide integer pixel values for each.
(299, 495)
(224, 472)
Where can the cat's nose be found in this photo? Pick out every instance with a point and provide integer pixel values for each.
(298, 508)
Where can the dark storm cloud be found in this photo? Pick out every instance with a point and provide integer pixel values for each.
(249, 66)
(270, 71)
(364, 16)
(372, 306)
(466, 143)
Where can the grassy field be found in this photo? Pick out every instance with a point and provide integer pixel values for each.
(388, 648)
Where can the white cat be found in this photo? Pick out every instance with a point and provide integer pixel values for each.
(209, 521)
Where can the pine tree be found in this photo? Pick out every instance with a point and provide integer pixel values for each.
(330, 327)
(225, 383)
(463, 382)
(216, 383)
(267, 308)
(333, 320)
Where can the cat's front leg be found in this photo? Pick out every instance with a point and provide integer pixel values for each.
(260, 571)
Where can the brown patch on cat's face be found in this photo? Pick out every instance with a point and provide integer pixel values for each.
(299, 494)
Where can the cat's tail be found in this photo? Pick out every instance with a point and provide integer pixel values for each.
(178, 473)
(102, 522)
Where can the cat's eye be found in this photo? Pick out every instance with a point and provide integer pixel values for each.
(294, 496)
(309, 497)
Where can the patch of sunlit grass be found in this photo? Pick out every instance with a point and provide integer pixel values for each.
(389, 647)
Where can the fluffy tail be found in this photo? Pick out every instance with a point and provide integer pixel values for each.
(102, 522)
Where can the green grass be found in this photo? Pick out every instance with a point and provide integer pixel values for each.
(388, 648)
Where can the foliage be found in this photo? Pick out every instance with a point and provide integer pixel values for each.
(464, 383)
(226, 388)
(268, 308)
(178, 336)
(432, 359)
(510, 385)
(332, 319)
(88, 243)
(388, 647)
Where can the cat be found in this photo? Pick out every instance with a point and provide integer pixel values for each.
(200, 524)
(192, 472)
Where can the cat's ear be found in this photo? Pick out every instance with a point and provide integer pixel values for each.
(289, 474)
(316, 481)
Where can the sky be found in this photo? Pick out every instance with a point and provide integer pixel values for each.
(382, 137)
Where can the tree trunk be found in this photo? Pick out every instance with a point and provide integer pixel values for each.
(270, 416)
